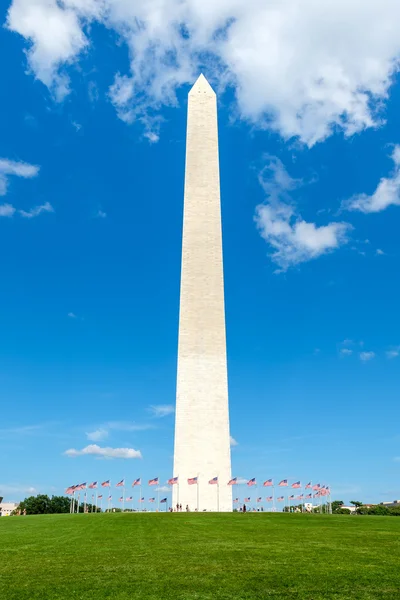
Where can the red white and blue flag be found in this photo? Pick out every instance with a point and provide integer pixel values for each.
(309, 486)
(233, 481)
(152, 499)
(316, 486)
(192, 480)
(213, 481)
(268, 483)
(283, 483)
(280, 498)
(153, 481)
(236, 500)
(270, 498)
(141, 499)
(109, 498)
(309, 496)
(296, 485)
(99, 497)
(93, 486)
(106, 483)
(137, 482)
(129, 499)
(173, 481)
(252, 482)
(81, 486)
(291, 497)
(71, 490)
(259, 499)
(163, 501)
(300, 497)
(121, 483)
(121, 499)
(247, 499)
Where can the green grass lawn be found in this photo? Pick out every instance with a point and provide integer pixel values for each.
(199, 556)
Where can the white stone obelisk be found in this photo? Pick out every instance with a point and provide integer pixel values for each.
(202, 442)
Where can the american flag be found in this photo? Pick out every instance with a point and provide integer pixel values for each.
(247, 499)
(106, 483)
(152, 499)
(291, 497)
(129, 499)
(317, 495)
(283, 483)
(316, 486)
(141, 499)
(280, 498)
(268, 483)
(93, 486)
(252, 482)
(300, 497)
(163, 501)
(270, 498)
(109, 498)
(236, 500)
(153, 481)
(259, 499)
(81, 486)
(173, 481)
(99, 497)
(233, 481)
(213, 481)
(121, 483)
(121, 499)
(71, 489)
(309, 496)
(309, 486)
(137, 482)
(192, 480)
(296, 485)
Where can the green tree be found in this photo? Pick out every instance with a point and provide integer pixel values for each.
(336, 504)
(356, 503)
(59, 504)
(342, 511)
(36, 505)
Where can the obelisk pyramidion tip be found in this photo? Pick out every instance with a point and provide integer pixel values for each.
(202, 87)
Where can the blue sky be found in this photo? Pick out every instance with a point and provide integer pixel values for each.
(92, 142)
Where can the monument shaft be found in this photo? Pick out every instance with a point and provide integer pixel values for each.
(202, 442)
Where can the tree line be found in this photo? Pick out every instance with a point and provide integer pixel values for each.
(44, 505)
(376, 509)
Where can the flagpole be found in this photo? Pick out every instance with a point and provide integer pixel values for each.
(218, 494)
(197, 492)
(158, 498)
(273, 499)
(123, 496)
(77, 506)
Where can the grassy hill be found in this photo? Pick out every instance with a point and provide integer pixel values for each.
(199, 556)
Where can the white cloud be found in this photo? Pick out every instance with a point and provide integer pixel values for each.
(163, 488)
(7, 489)
(72, 315)
(293, 240)
(380, 252)
(36, 211)
(101, 214)
(346, 352)
(6, 210)
(242, 480)
(233, 441)
(14, 168)
(386, 194)
(301, 68)
(98, 435)
(366, 356)
(95, 450)
(162, 410)
(393, 353)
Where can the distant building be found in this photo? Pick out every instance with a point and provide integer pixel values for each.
(394, 504)
(6, 508)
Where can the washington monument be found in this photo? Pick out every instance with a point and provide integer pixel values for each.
(202, 442)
